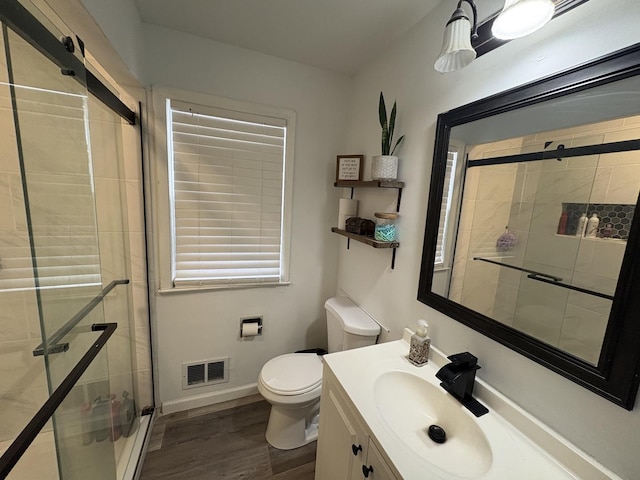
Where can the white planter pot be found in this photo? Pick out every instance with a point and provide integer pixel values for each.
(384, 167)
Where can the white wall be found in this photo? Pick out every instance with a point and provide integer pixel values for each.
(121, 24)
(405, 72)
(201, 325)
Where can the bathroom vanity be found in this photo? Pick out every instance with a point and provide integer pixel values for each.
(346, 448)
(376, 408)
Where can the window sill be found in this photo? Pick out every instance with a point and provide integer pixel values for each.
(191, 289)
(440, 268)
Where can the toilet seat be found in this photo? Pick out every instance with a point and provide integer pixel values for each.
(292, 374)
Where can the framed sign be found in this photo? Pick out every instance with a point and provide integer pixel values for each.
(349, 167)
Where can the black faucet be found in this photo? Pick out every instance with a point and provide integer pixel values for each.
(458, 378)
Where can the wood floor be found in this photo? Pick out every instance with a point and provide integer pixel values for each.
(226, 444)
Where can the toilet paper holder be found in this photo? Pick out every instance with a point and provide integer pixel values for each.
(246, 327)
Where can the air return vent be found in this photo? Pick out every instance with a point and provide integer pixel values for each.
(205, 372)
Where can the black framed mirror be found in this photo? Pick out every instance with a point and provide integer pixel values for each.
(532, 234)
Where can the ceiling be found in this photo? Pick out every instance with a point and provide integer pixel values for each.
(339, 35)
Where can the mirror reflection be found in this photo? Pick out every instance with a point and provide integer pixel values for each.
(536, 212)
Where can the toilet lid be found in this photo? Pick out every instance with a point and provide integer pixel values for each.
(293, 373)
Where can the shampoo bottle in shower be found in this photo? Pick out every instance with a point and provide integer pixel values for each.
(592, 226)
(582, 225)
(562, 224)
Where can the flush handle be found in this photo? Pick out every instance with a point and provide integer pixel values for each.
(356, 448)
(367, 470)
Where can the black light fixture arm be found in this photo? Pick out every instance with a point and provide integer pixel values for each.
(459, 13)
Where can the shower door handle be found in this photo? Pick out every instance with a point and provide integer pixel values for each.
(54, 344)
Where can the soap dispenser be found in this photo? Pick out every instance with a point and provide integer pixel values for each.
(420, 344)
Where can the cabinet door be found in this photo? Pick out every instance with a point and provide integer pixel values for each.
(340, 447)
(375, 467)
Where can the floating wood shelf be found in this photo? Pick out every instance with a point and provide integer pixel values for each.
(362, 239)
(352, 184)
(368, 184)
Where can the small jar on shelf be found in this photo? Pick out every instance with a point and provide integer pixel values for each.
(385, 226)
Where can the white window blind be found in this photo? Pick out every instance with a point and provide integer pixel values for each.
(445, 211)
(227, 181)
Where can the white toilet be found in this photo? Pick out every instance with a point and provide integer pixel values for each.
(291, 383)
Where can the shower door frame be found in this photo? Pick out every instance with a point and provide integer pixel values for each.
(21, 21)
(59, 51)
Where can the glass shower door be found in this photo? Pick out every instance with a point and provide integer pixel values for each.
(50, 114)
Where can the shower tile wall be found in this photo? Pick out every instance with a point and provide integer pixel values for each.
(486, 206)
(118, 181)
(138, 261)
(573, 321)
(122, 234)
(590, 263)
(23, 388)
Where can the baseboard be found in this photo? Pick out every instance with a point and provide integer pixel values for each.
(210, 398)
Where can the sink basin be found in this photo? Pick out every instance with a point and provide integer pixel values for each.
(409, 404)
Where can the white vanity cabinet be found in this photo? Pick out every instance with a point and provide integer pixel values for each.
(345, 448)
(375, 461)
(372, 398)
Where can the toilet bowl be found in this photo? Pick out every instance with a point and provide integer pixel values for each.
(292, 382)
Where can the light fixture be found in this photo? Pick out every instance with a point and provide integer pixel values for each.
(457, 51)
(522, 17)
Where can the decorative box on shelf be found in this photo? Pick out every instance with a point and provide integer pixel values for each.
(360, 226)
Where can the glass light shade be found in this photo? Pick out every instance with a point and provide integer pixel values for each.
(522, 17)
(457, 51)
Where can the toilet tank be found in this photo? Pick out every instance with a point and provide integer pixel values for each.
(348, 326)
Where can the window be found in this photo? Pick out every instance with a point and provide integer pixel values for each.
(445, 212)
(229, 181)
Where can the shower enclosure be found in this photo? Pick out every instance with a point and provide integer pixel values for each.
(65, 265)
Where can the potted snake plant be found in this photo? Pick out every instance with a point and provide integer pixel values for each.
(385, 166)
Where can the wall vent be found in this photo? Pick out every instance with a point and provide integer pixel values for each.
(205, 372)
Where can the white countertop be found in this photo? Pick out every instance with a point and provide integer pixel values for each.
(515, 455)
